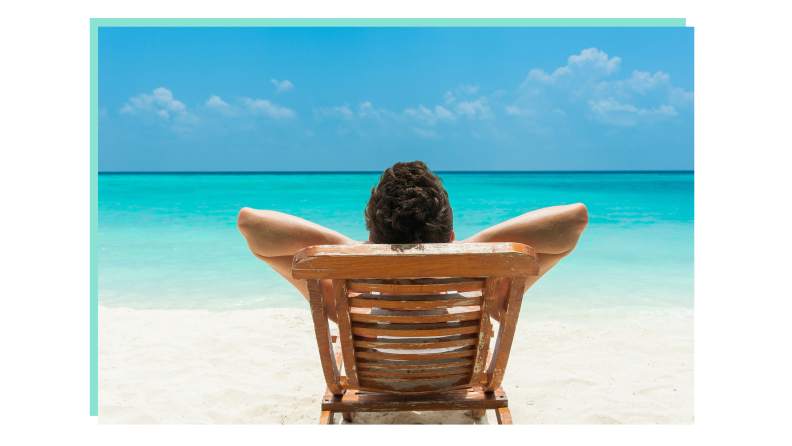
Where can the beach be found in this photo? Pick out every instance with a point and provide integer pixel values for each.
(194, 329)
(262, 367)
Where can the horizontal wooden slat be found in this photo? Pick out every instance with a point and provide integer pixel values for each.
(422, 260)
(409, 361)
(410, 387)
(412, 365)
(371, 353)
(385, 373)
(391, 330)
(464, 399)
(416, 343)
(415, 286)
(417, 316)
(418, 297)
(425, 302)
(456, 375)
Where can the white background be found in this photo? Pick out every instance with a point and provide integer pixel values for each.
(742, 302)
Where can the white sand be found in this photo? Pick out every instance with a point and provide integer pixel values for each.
(262, 367)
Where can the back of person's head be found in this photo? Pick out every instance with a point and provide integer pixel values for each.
(409, 204)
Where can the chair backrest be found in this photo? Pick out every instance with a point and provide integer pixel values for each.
(414, 319)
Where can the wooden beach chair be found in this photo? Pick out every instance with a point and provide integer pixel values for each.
(410, 344)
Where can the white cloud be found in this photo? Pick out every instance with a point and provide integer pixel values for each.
(282, 86)
(515, 111)
(366, 110)
(680, 97)
(424, 133)
(160, 104)
(498, 94)
(449, 98)
(475, 109)
(589, 64)
(666, 110)
(642, 80)
(266, 108)
(443, 114)
(160, 100)
(595, 60)
(216, 102)
(587, 79)
(421, 114)
(612, 112)
(342, 112)
(469, 89)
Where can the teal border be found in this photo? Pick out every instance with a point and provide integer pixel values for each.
(390, 22)
(94, 312)
(94, 173)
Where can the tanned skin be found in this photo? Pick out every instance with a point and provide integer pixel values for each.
(275, 237)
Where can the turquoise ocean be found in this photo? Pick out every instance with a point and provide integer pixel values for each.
(169, 241)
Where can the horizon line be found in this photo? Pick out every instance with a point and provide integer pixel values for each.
(286, 172)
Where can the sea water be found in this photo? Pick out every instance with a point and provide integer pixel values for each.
(170, 241)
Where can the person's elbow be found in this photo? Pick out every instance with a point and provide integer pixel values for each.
(579, 218)
(251, 221)
(246, 221)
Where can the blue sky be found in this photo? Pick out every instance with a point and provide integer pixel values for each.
(329, 99)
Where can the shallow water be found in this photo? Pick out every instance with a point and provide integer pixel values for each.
(170, 240)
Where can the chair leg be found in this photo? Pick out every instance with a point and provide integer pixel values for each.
(347, 416)
(327, 417)
(479, 413)
(503, 415)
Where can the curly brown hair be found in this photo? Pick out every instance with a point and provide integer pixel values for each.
(409, 204)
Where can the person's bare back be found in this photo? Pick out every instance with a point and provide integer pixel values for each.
(410, 205)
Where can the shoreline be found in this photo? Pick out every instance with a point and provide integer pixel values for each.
(262, 367)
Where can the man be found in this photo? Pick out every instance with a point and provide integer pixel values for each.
(410, 205)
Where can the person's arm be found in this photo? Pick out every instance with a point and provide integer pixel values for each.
(552, 232)
(275, 234)
(275, 237)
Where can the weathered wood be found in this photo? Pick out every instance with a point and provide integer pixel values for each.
(485, 328)
(415, 286)
(323, 339)
(339, 357)
(503, 415)
(368, 364)
(408, 386)
(345, 332)
(427, 302)
(377, 315)
(416, 343)
(347, 416)
(423, 260)
(417, 330)
(326, 418)
(360, 401)
(426, 347)
(502, 309)
(500, 355)
(376, 354)
(386, 373)
(416, 379)
(478, 413)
